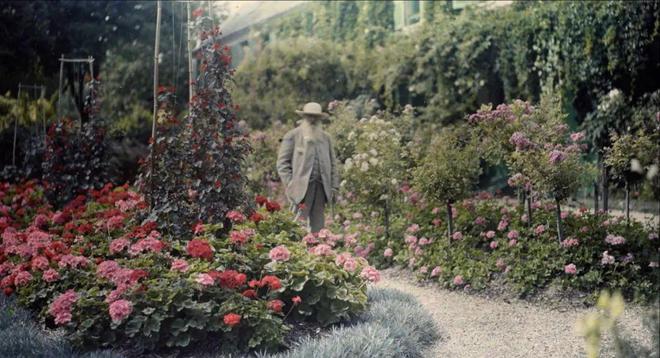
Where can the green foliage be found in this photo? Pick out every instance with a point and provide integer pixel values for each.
(630, 155)
(451, 64)
(286, 75)
(594, 325)
(450, 169)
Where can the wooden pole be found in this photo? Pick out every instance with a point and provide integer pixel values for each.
(13, 151)
(155, 114)
(59, 98)
(190, 60)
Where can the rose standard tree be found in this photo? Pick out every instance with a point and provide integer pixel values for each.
(450, 170)
(195, 172)
(550, 158)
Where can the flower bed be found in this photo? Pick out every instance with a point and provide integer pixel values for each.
(493, 240)
(100, 268)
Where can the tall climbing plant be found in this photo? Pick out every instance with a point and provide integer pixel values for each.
(196, 173)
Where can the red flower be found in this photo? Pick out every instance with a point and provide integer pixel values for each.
(296, 300)
(254, 283)
(256, 217)
(232, 319)
(8, 291)
(273, 206)
(250, 293)
(199, 248)
(231, 279)
(261, 200)
(275, 305)
(197, 13)
(272, 282)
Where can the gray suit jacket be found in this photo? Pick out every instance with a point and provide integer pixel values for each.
(295, 160)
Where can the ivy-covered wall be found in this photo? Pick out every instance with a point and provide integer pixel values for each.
(452, 63)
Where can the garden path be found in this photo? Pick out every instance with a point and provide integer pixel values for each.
(473, 326)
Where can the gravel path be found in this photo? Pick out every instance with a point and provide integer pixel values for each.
(473, 326)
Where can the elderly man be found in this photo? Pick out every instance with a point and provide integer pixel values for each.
(307, 166)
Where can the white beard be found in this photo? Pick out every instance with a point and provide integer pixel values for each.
(311, 132)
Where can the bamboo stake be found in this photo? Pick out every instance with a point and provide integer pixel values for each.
(13, 151)
(155, 114)
(59, 98)
(190, 61)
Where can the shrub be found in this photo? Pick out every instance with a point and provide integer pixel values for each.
(286, 75)
(374, 173)
(74, 159)
(395, 326)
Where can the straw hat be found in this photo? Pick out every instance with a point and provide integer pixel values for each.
(312, 109)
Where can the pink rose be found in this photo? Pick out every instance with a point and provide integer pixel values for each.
(513, 242)
(458, 280)
(493, 245)
(388, 252)
(490, 234)
(513, 234)
(457, 236)
(436, 271)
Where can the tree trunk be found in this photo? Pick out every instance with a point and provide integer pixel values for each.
(560, 232)
(450, 222)
(529, 208)
(605, 185)
(386, 219)
(627, 209)
(596, 197)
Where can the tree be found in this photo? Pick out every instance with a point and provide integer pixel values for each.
(450, 169)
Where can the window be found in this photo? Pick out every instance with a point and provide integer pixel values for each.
(406, 13)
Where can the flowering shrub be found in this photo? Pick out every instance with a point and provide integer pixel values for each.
(112, 280)
(373, 175)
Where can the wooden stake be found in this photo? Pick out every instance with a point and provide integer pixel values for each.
(13, 151)
(155, 114)
(59, 98)
(190, 60)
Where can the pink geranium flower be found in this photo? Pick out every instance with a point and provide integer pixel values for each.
(51, 275)
(370, 274)
(570, 269)
(388, 252)
(436, 271)
(204, 279)
(60, 308)
(458, 280)
(457, 235)
(179, 265)
(279, 253)
(120, 309)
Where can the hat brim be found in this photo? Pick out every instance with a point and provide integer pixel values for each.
(303, 113)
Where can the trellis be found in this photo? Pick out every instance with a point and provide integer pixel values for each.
(89, 60)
